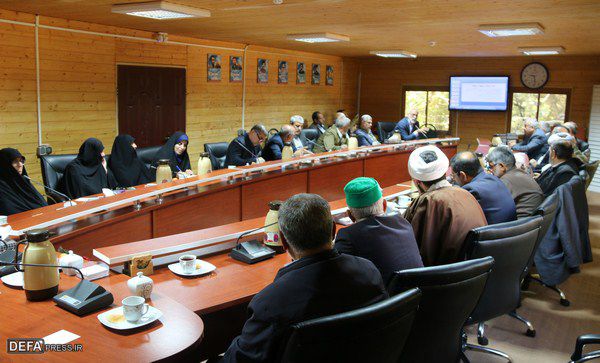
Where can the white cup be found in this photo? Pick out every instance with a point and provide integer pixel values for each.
(404, 201)
(187, 263)
(134, 307)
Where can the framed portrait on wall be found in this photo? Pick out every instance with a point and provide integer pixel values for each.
(213, 67)
(262, 70)
(235, 69)
(329, 75)
(282, 73)
(300, 73)
(316, 73)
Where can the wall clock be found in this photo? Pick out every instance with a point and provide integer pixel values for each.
(534, 75)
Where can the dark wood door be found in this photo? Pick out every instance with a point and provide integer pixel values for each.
(151, 103)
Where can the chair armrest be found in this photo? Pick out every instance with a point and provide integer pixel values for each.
(582, 341)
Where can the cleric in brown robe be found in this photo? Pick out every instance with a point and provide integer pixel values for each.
(443, 214)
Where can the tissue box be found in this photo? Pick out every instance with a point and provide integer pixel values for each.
(95, 271)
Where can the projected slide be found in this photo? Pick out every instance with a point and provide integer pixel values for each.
(479, 93)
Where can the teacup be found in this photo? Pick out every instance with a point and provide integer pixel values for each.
(134, 307)
(187, 263)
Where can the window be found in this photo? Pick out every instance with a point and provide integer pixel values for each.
(432, 107)
(550, 107)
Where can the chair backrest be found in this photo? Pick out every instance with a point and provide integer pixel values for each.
(511, 244)
(385, 130)
(449, 295)
(591, 171)
(310, 134)
(216, 152)
(580, 205)
(53, 169)
(374, 333)
(547, 210)
(147, 154)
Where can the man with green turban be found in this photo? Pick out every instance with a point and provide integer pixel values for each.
(386, 240)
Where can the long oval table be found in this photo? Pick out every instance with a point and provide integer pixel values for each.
(218, 198)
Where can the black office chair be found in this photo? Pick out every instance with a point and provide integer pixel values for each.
(309, 134)
(53, 169)
(217, 151)
(449, 295)
(511, 244)
(147, 154)
(578, 356)
(272, 132)
(374, 333)
(385, 130)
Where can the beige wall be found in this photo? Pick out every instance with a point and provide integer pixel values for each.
(78, 86)
(382, 82)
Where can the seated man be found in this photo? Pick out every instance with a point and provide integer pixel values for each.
(408, 127)
(275, 145)
(443, 214)
(524, 190)
(534, 140)
(493, 196)
(363, 132)
(563, 166)
(387, 241)
(245, 149)
(297, 122)
(318, 122)
(336, 137)
(545, 159)
(319, 282)
(583, 146)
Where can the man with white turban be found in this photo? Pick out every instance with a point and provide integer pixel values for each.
(443, 214)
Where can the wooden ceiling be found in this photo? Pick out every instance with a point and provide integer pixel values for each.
(372, 25)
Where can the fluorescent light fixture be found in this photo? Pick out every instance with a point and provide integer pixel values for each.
(393, 54)
(161, 10)
(511, 30)
(318, 37)
(542, 50)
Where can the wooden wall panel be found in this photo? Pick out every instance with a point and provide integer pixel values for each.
(78, 86)
(18, 110)
(383, 81)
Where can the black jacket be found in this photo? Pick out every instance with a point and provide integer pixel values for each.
(534, 146)
(241, 151)
(323, 284)
(387, 241)
(274, 147)
(557, 175)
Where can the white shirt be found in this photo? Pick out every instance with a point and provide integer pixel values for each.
(339, 133)
(298, 143)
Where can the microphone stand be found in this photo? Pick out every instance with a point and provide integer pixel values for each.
(237, 241)
(71, 202)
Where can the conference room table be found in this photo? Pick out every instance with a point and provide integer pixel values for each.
(204, 313)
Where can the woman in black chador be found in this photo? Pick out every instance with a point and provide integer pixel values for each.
(125, 165)
(174, 150)
(16, 192)
(87, 174)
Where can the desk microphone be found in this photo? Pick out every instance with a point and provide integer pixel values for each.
(252, 251)
(67, 204)
(315, 144)
(245, 148)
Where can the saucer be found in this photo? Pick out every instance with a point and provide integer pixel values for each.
(114, 318)
(202, 268)
(14, 279)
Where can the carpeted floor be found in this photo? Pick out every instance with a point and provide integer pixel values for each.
(557, 326)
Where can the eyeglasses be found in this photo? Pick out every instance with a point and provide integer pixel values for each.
(260, 136)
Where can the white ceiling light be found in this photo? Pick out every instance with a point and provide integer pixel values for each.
(318, 37)
(511, 30)
(160, 10)
(393, 53)
(542, 50)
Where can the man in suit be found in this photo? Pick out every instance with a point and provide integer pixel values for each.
(563, 166)
(387, 241)
(524, 190)
(493, 196)
(363, 132)
(534, 142)
(274, 146)
(336, 137)
(245, 149)
(318, 122)
(297, 122)
(583, 146)
(319, 282)
(409, 128)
